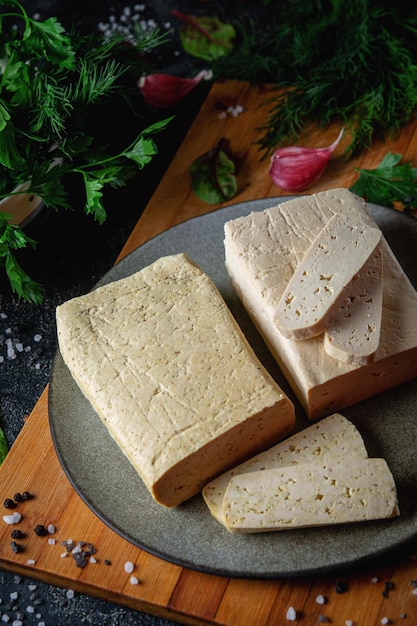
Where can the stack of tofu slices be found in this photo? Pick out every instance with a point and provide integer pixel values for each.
(171, 375)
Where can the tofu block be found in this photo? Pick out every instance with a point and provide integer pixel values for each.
(332, 437)
(264, 249)
(334, 259)
(315, 494)
(353, 333)
(171, 375)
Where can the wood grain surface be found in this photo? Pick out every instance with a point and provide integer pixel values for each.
(164, 589)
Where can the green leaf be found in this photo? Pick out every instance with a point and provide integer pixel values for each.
(206, 37)
(13, 238)
(389, 182)
(144, 148)
(49, 38)
(213, 176)
(3, 446)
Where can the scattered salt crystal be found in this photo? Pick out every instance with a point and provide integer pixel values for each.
(291, 614)
(375, 579)
(30, 609)
(348, 622)
(385, 620)
(51, 541)
(134, 580)
(14, 518)
(70, 594)
(5, 618)
(1, 359)
(63, 555)
(321, 599)
(14, 595)
(32, 587)
(37, 337)
(31, 562)
(17, 622)
(414, 592)
(222, 115)
(51, 529)
(19, 346)
(3, 316)
(93, 560)
(129, 567)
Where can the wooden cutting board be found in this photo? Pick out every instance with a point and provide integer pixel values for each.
(165, 589)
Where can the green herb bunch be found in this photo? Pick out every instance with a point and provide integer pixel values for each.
(51, 82)
(351, 61)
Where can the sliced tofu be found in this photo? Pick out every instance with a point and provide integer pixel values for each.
(171, 375)
(336, 256)
(315, 494)
(353, 333)
(262, 251)
(333, 437)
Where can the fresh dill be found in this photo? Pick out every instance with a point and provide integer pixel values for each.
(350, 61)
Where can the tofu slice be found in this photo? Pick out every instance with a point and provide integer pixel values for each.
(335, 258)
(333, 437)
(315, 494)
(353, 333)
(262, 251)
(171, 375)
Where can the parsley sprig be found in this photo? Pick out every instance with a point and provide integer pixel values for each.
(52, 82)
(390, 183)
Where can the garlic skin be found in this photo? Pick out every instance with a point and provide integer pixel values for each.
(295, 168)
(164, 90)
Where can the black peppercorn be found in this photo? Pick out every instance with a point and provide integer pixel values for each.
(16, 547)
(17, 534)
(18, 497)
(40, 530)
(9, 504)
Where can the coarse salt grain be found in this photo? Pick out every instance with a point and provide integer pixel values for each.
(92, 559)
(129, 567)
(291, 614)
(51, 541)
(5, 618)
(70, 594)
(414, 592)
(37, 337)
(31, 562)
(385, 620)
(321, 599)
(348, 622)
(134, 580)
(14, 595)
(14, 518)
(51, 529)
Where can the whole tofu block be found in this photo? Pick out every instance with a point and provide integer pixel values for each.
(315, 494)
(169, 372)
(333, 437)
(264, 249)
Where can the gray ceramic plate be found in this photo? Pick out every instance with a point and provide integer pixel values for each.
(188, 535)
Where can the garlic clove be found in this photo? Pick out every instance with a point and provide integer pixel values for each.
(294, 168)
(164, 90)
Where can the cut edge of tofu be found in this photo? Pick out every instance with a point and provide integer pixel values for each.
(311, 495)
(315, 443)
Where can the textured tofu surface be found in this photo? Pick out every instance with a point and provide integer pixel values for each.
(353, 333)
(334, 437)
(333, 260)
(315, 494)
(170, 374)
(264, 249)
